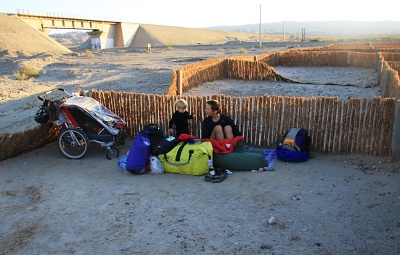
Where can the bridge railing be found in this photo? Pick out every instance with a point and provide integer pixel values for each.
(63, 15)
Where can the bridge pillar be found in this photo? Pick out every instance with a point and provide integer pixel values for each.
(95, 39)
(124, 34)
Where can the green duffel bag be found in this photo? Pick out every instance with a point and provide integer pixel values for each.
(241, 159)
(187, 158)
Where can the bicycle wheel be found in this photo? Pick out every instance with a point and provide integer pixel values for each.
(73, 143)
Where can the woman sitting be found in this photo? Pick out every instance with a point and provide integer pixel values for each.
(216, 125)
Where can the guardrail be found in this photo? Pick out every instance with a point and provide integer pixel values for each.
(64, 15)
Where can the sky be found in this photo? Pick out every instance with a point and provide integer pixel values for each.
(208, 13)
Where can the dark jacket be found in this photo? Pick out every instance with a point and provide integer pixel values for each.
(180, 120)
(208, 125)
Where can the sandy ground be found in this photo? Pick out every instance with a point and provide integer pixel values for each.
(327, 205)
(51, 205)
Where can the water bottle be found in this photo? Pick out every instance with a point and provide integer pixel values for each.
(122, 165)
(211, 169)
(122, 162)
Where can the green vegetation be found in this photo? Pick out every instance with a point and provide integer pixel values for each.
(26, 73)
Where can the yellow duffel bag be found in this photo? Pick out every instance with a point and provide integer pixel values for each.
(188, 158)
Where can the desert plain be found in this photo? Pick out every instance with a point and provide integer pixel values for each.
(330, 204)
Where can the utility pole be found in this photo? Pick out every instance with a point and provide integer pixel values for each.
(259, 36)
(284, 30)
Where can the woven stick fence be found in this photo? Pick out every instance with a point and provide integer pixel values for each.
(362, 47)
(252, 70)
(12, 145)
(354, 126)
(395, 65)
(196, 74)
(199, 73)
(390, 78)
(266, 122)
(391, 56)
(327, 58)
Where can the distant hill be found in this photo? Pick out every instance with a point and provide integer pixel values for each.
(70, 39)
(322, 28)
(158, 35)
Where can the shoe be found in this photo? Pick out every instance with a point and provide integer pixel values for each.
(218, 177)
(208, 177)
(213, 178)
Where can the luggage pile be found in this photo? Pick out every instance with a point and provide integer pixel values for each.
(182, 156)
(153, 152)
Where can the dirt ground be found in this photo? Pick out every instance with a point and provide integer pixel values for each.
(327, 205)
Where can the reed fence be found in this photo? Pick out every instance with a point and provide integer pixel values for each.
(391, 56)
(354, 126)
(12, 145)
(395, 65)
(196, 74)
(193, 75)
(388, 77)
(360, 126)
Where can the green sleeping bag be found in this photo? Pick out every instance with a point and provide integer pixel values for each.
(241, 159)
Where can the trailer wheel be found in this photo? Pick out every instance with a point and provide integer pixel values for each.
(112, 153)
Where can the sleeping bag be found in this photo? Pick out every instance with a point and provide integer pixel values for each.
(138, 157)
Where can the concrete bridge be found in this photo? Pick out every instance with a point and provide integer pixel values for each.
(104, 33)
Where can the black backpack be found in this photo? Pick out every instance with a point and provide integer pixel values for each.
(154, 133)
(164, 146)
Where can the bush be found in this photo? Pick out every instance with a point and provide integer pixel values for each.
(26, 73)
(89, 53)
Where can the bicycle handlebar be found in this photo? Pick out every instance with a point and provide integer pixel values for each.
(43, 96)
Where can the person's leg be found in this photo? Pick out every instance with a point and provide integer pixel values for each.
(177, 133)
(228, 132)
(217, 133)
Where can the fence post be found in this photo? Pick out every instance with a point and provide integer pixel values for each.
(396, 134)
(378, 59)
(179, 89)
(256, 61)
(347, 58)
(379, 72)
(386, 85)
(277, 59)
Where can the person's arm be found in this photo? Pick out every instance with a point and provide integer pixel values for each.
(189, 116)
(172, 121)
